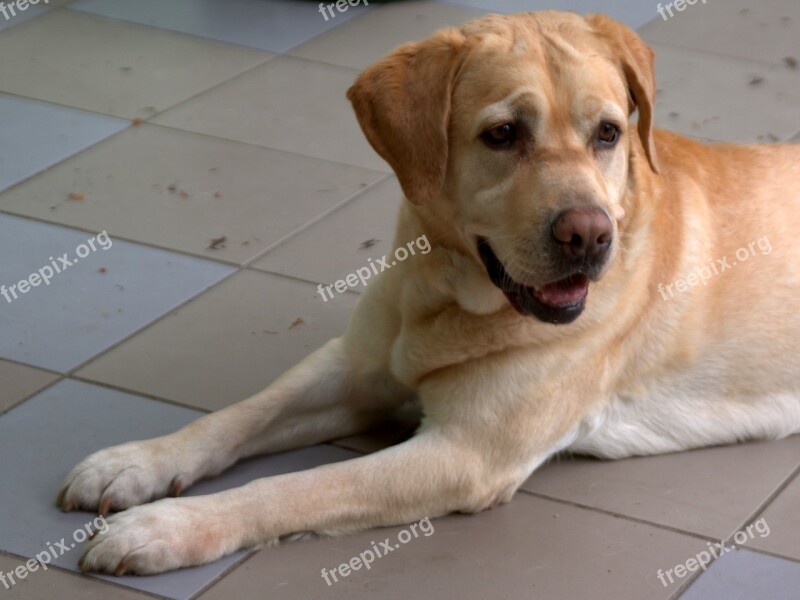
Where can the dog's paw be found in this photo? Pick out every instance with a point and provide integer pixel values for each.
(120, 477)
(166, 535)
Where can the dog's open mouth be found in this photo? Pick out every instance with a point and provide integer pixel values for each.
(558, 302)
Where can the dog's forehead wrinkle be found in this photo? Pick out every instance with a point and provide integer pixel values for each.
(509, 106)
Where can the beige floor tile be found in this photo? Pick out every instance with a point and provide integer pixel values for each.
(187, 190)
(20, 381)
(766, 31)
(783, 519)
(55, 583)
(709, 492)
(139, 71)
(363, 41)
(530, 548)
(227, 344)
(725, 99)
(289, 104)
(342, 242)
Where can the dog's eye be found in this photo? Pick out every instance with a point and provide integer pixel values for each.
(608, 134)
(500, 136)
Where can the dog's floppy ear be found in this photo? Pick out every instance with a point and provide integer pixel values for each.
(637, 61)
(403, 106)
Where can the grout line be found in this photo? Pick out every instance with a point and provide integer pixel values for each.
(129, 240)
(360, 15)
(30, 366)
(751, 61)
(250, 554)
(314, 221)
(388, 170)
(157, 319)
(686, 584)
(197, 36)
(768, 500)
(87, 577)
(684, 587)
(610, 513)
(147, 395)
(30, 395)
(356, 292)
(771, 554)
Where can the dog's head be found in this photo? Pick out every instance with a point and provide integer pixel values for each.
(519, 126)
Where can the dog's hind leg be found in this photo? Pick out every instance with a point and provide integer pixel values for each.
(672, 421)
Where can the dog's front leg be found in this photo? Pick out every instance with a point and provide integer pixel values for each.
(426, 476)
(331, 394)
(481, 438)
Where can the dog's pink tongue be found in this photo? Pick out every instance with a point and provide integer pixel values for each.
(565, 292)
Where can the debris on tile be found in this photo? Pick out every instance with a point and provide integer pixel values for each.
(183, 194)
(126, 69)
(172, 188)
(137, 121)
(791, 62)
(296, 323)
(674, 115)
(786, 20)
(212, 169)
(77, 196)
(246, 243)
(102, 270)
(217, 195)
(769, 137)
(217, 243)
(756, 80)
(368, 243)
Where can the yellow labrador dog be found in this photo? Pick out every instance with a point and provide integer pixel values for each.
(587, 289)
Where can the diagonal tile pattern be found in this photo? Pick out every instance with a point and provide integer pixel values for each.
(230, 345)
(77, 301)
(187, 191)
(275, 26)
(140, 70)
(44, 134)
(289, 103)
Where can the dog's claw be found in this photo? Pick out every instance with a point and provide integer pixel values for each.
(121, 568)
(105, 505)
(176, 487)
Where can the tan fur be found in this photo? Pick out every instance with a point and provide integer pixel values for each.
(501, 392)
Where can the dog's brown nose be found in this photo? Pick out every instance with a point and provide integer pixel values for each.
(583, 233)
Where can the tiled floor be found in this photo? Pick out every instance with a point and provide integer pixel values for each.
(242, 183)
